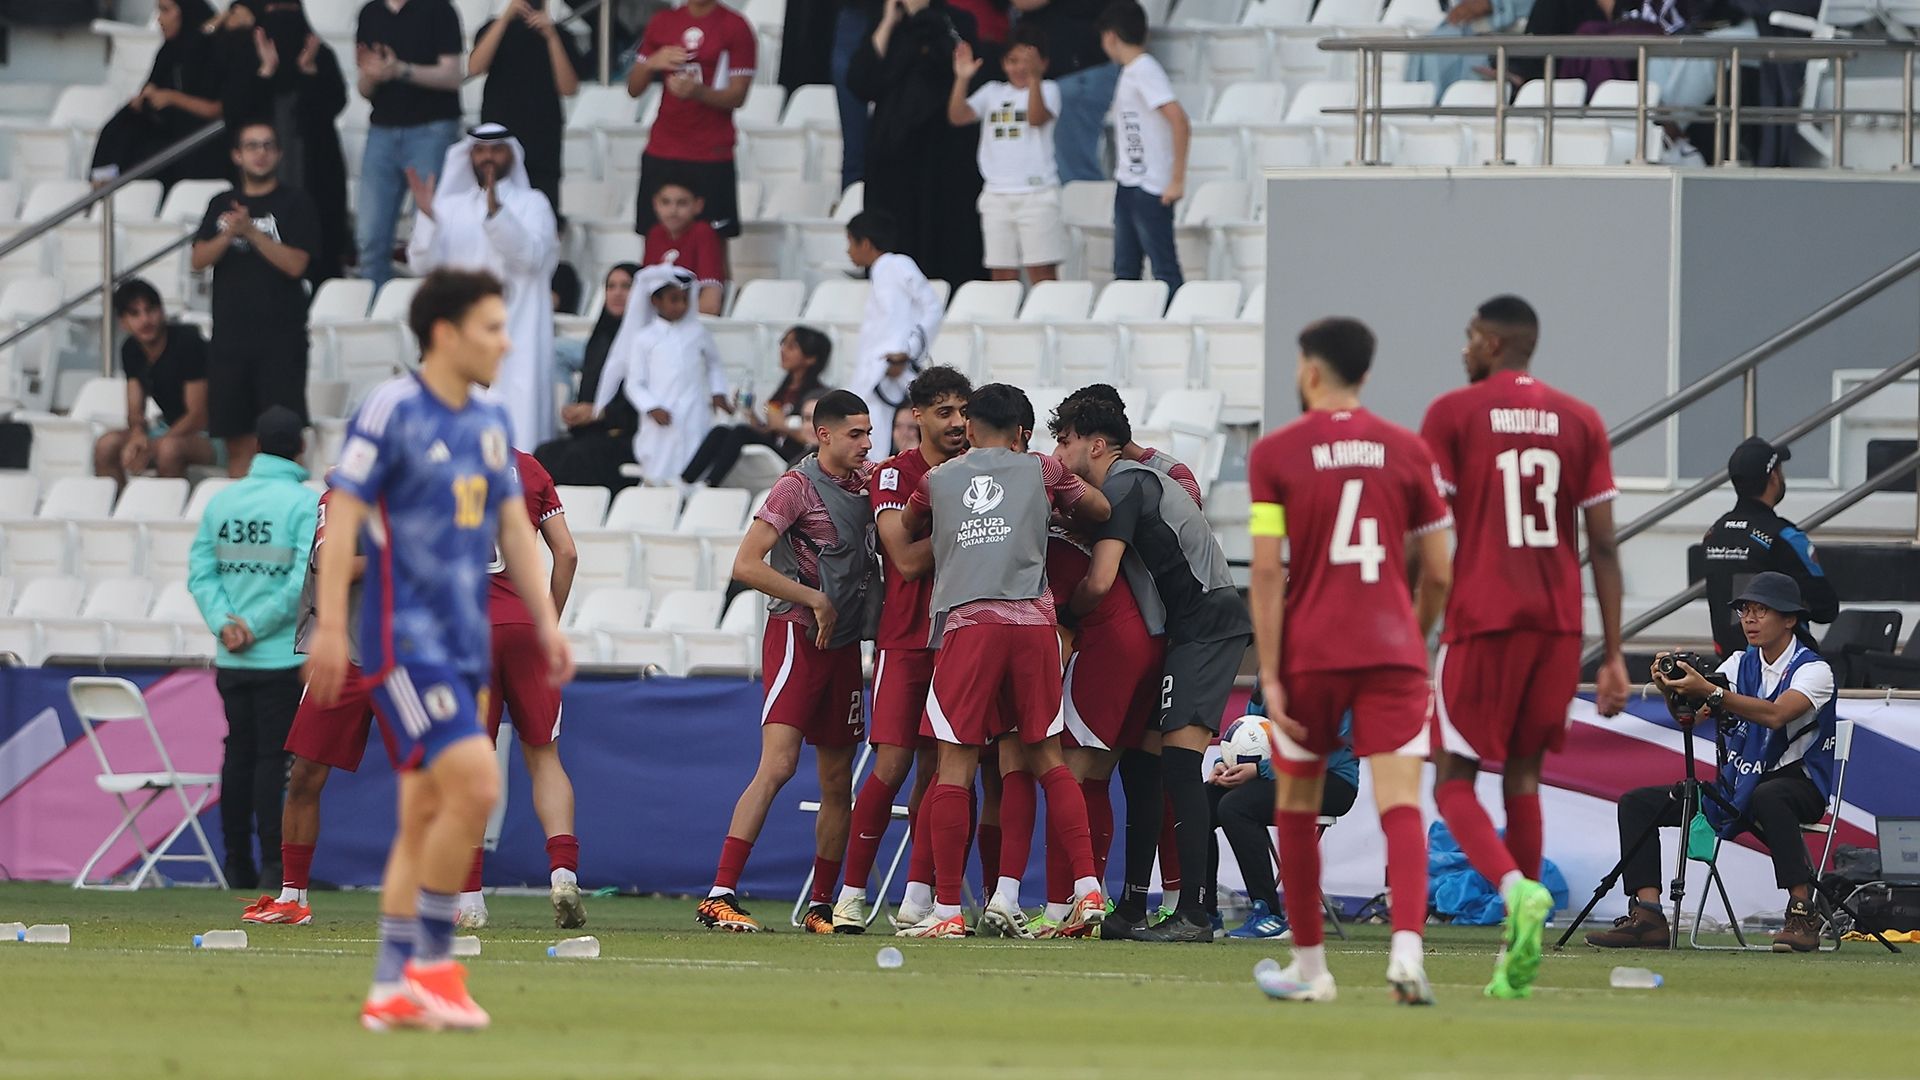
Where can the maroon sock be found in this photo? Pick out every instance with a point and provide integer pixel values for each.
(1299, 845)
(1170, 877)
(826, 874)
(1526, 836)
(1099, 798)
(733, 860)
(1059, 870)
(1406, 866)
(1473, 830)
(473, 875)
(1018, 808)
(1065, 803)
(563, 853)
(872, 810)
(296, 862)
(920, 859)
(947, 820)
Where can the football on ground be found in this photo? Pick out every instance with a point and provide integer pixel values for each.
(131, 997)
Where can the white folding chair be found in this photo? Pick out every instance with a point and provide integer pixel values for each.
(879, 896)
(99, 701)
(1828, 826)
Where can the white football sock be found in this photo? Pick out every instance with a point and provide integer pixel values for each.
(1508, 880)
(1008, 892)
(1310, 960)
(1406, 947)
(945, 911)
(470, 901)
(1058, 912)
(919, 895)
(849, 892)
(564, 876)
(291, 895)
(1085, 885)
(382, 991)
(718, 891)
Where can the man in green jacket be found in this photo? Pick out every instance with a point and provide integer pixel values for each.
(247, 567)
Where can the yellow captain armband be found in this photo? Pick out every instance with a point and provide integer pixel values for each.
(1268, 519)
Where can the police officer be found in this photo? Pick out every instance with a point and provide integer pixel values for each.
(1751, 539)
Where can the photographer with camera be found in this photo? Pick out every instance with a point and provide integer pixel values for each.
(1774, 707)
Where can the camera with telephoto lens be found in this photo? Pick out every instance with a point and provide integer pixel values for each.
(1669, 668)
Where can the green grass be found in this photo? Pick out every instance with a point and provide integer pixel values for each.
(129, 998)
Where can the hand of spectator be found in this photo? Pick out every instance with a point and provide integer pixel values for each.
(310, 56)
(1232, 776)
(897, 363)
(965, 64)
(235, 635)
(236, 221)
(667, 59)
(660, 416)
(422, 191)
(537, 20)
(138, 102)
(136, 453)
(1465, 11)
(721, 403)
(1176, 188)
(493, 196)
(576, 414)
(911, 8)
(377, 62)
(267, 51)
(238, 17)
(682, 85)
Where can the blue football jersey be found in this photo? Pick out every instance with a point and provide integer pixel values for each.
(435, 478)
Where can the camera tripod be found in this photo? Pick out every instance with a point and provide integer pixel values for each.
(1687, 793)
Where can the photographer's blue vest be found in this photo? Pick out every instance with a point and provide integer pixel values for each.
(1753, 750)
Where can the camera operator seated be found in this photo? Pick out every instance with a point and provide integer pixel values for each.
(1777, 721)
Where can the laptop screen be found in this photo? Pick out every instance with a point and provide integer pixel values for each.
(1900, 850)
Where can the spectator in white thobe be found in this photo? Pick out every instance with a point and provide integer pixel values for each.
(486, 215)
(668, 366)
(897, 331)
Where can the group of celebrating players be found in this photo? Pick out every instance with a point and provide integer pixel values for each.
(1040, 621)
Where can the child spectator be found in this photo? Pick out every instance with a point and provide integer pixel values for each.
(804, 353)
(897, 329)
(682, 237)
(1150, 134)
(1020, 223)
(668, 367)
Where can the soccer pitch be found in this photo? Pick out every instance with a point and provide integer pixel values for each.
(130, 998)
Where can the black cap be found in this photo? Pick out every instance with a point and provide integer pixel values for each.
(1753, 461)
(281, 432)
(1773, 590)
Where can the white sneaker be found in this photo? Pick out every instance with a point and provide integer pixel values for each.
(1006, 920)
(1682, 154)
(1409, 981)
(850, 916)
(953, 926)
(1287, 984)
(569, 912)
(908, 915)
(471, 916)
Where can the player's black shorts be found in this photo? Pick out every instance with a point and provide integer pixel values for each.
(246, 379)
(1197, 680)
(717, 182)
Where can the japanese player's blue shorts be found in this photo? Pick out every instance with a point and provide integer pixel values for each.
(431, 708)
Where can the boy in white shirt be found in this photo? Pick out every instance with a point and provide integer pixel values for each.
(1150, 135)
(1020, 222)
(897, 329)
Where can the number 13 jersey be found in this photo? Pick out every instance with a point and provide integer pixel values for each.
(1519, 459)
(1346, 489)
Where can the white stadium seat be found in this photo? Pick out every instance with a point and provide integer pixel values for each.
(644, 508)
(586, 507)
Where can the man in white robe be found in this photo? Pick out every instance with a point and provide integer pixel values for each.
(897, 330)
(486, 215)
(668, 366)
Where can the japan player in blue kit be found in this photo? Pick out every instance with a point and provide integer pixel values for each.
(426, 480)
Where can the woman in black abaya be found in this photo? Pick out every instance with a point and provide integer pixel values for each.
(594, 447)
(181, 96)
(530, 68)
(920, 168)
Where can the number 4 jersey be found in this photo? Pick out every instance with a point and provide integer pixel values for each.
(1346, 489)
(1518, 459)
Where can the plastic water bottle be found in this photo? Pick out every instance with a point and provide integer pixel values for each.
(889, 958)
(466, 946)
(1268, 966)
(221, 939)
(1634, 978)
(46, 934)
(576, 948)
(12, 931)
